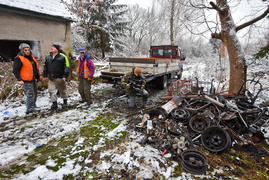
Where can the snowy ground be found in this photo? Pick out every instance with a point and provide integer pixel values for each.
(34, 137)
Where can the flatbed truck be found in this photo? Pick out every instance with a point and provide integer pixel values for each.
(164, 65)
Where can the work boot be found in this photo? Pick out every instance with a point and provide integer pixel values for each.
(144, 103)
(131, 109)
(32, 111)
(65, 103)
(58, 94)
(54, 105)
(144, 106)
(82, 101)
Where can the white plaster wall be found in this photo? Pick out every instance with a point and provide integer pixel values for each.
(22, 27)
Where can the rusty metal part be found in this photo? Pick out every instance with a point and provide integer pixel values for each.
(251, 97)
(187, 135)
(215, 139)
(174, 127)
(214, 101)
(231, 132)
(194, 161)
(157, 113)
(198, 123)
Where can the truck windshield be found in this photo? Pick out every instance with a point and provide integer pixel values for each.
(164, 52)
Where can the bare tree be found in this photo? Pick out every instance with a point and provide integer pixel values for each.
(137, 27)
(226, 30)
(172, 10)
(238, 68)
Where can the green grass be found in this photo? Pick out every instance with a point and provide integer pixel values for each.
(61, 149)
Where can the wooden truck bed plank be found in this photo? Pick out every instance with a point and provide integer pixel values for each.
(144, 60)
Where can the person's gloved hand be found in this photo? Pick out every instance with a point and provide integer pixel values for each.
(21, 83)
(91, 80)
(128, 86)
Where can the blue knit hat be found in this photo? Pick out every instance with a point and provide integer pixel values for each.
(81, 50)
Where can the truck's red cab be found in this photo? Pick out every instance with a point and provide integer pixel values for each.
(166, 52)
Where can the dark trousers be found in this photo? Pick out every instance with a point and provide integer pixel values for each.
(84, 89)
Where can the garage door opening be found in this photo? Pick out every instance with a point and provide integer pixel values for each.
(9, 49)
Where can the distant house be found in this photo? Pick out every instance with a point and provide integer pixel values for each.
(39, 23)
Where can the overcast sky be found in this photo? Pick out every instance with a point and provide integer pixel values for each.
(142, 3)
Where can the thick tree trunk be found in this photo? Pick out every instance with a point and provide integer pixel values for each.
(238, 69)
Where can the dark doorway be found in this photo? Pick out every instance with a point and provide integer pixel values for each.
(9, 49)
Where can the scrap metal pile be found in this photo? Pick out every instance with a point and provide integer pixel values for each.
(216, 122)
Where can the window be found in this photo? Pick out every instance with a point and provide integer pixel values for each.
(158, 52)
(169, 52)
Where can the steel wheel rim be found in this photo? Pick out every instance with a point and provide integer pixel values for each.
(199, 123)
(194, 161)
(215, 139)
(181, 115)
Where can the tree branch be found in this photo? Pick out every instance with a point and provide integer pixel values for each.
(214, 6)
(252, 21)
(216, 35)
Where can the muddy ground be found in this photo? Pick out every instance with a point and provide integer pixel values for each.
(246, 162)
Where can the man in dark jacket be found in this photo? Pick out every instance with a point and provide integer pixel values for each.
(60, 51)
(26, 71)
(56, 69)
(60, 47)
(129, 80)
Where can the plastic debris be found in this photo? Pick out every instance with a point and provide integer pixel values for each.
(39, 145)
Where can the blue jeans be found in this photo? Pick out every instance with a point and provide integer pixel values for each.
(132, 99)
(30, 88)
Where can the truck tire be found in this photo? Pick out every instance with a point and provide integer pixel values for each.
(162, 82)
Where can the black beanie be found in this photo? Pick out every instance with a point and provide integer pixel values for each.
(56, 46)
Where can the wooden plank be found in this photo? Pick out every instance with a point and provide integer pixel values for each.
(111, 73)
(133, 60)
(130, 64)
(148, 68)
(125, 69)
(144, 60)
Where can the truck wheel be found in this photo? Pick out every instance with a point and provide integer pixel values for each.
(162, 82)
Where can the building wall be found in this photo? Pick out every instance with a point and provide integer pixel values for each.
(17, 27)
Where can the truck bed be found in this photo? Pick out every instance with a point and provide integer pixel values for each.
(150, 67)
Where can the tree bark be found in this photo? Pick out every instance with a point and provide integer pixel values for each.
(102, 43)
(238, 69)
(172, 22)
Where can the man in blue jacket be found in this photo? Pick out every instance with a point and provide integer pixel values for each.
(56, 69)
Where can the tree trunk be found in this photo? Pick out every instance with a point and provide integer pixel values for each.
(102, 43)
(172, 22)
(238, 69)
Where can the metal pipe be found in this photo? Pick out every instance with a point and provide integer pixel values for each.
(214, 101)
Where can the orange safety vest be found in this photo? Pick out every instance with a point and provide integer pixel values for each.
(86, 69)
(26, 71)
